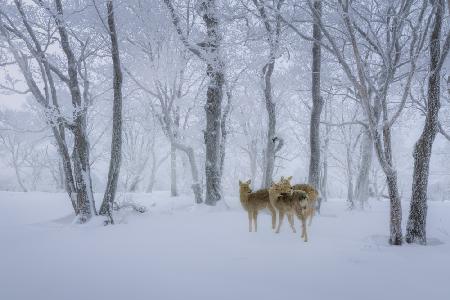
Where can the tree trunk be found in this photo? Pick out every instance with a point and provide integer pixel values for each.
(196, 186)
(224, 132)
(362, 181)
(213, 107)
(416, 227)
(326, 145)
(317, 101)
(396, 210)
(18, 176)
(85, 197)
(116, 143)
(350, 201)
(173, 171)
(269, 159)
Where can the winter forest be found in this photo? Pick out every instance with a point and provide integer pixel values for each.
(151, 149)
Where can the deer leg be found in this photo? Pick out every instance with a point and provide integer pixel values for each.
(255, 218)
(249, 221)
(274, 215)
(280, 220)
(291, 221)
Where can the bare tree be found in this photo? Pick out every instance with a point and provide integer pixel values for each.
(416, 227)
(116, 143)
(77, 165)
(372, 81)
(317, 100)
(209, 52)
(272, 37)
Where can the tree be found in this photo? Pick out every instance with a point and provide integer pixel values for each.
(76, 166)
(416, 227)
(116, 143)
(317, 101)
(209, 51)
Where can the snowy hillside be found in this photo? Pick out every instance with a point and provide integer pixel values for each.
(175, 251)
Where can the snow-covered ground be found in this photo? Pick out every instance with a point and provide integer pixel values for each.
(177, 251)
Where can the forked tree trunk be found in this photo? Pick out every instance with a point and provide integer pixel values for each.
(416, 227)
(196, 185)
(85, 197)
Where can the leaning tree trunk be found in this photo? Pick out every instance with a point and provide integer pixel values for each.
(213, 105)
(173, 171)
(269, 160)
(196, 186)
(317, 101)
(362, 180)
(85, 197)
(416, 227)
(116, 143)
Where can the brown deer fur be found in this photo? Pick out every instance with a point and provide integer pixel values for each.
(312, 198)
(290, 204)
(253, 202)
(284, 186)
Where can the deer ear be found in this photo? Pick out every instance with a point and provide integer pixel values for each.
(289, 178)
(249, 181)
(282, 177)
(240, 182)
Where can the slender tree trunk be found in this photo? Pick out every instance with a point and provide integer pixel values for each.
(395, 210)
(213, 107)
(317, 101)
(416, 227)
(18, 176)
(116, 143)
(350, 200)
(253, 156)
(326, 145)
(173, 171)
(362, 181)
(223, 129)
(269, 159)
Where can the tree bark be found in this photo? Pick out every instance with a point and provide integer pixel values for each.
(85, 197)
(173, 171)
(213, 107)
(350, 200)
(271, 127)
(416, 226)
(395, 210)
(362, 181)
(317, 101)
(116, 143)
(196, 186)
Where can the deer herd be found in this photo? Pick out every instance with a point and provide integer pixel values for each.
(299, 200)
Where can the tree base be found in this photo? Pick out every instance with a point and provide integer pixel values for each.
(416, 239)
(396, 241)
